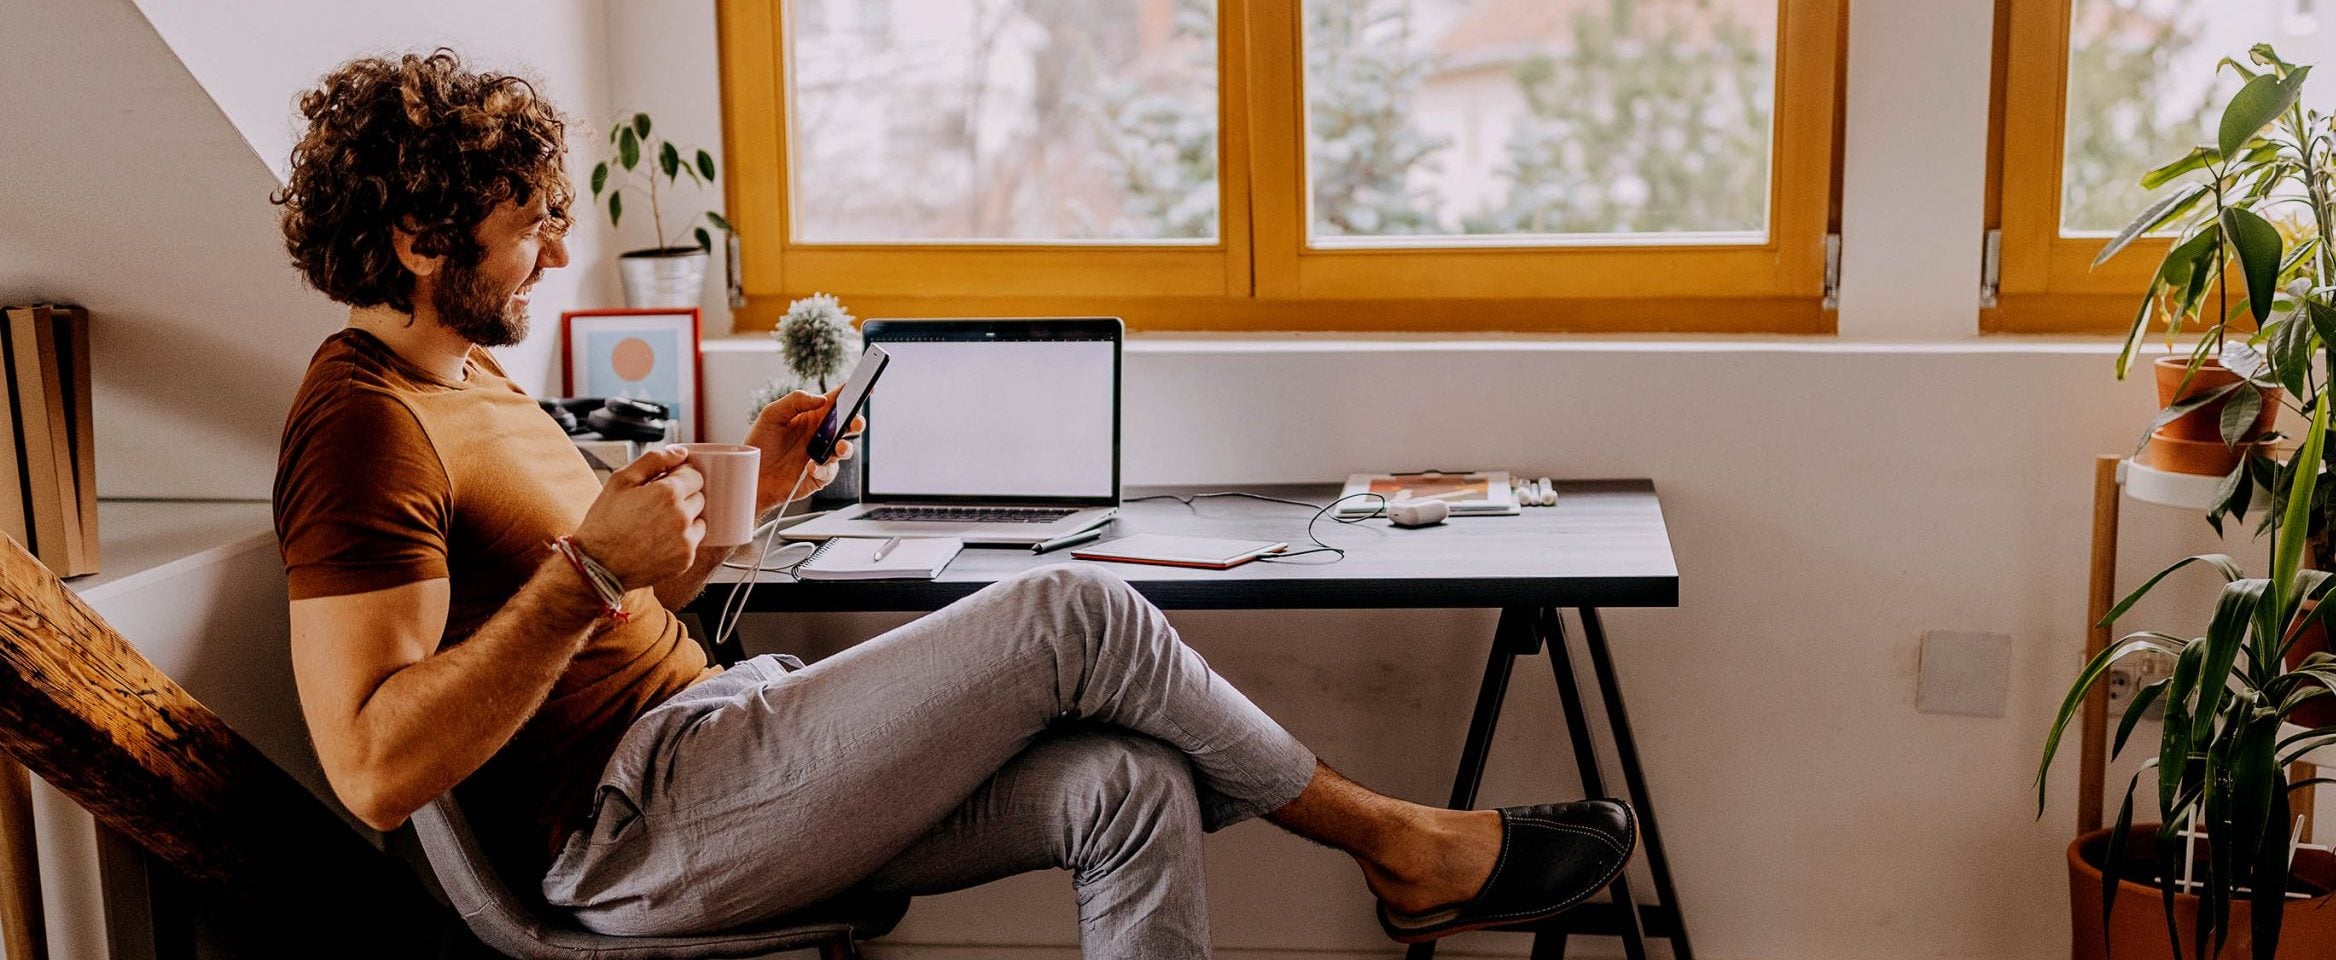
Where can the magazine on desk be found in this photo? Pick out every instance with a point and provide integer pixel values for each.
(1483, 493)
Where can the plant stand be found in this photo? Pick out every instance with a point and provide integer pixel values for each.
(2115, 479)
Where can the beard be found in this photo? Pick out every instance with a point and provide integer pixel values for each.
(478, 309)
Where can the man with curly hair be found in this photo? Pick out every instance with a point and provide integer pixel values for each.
(437, 529)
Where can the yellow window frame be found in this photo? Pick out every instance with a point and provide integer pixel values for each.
(1261, 275)
(2047, 283)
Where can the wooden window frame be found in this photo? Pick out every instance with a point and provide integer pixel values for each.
(2046, 282)
(1260, 275)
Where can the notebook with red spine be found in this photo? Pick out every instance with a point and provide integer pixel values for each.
(1207, 553)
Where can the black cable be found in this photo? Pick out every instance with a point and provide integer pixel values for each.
(1319, 510)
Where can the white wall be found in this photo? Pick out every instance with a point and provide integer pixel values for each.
(1914, 168)
(1827, 505)
(670, 61)
(125, 190)
(256, 58)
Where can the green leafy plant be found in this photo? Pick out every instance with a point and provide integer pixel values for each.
(632, 144)
(2221, 763)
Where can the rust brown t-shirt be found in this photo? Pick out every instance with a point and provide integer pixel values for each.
(390, 475)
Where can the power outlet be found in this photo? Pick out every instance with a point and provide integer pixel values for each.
(2137, 670)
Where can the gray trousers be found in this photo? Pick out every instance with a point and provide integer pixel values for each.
(1051, 720)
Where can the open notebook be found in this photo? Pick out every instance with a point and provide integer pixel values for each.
(854, 558)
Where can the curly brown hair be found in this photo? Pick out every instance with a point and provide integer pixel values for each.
(417, 142)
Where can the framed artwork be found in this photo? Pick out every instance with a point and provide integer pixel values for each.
(646, 354)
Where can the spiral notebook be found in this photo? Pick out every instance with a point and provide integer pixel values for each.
(854, 558)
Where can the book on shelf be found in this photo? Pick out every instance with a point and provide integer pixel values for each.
(46, 353)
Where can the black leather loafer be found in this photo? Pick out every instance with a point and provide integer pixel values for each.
(1552, 856)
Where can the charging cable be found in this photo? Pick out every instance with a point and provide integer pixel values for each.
(1320, 511)
(742, 589)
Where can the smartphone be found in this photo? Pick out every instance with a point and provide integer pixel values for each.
(848, 403)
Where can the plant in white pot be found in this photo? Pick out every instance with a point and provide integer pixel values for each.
(817, 343)
(672, 273)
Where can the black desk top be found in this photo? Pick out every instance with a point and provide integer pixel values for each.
(1602, 545)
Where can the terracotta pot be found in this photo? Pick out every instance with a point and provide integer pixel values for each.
(2202, 457)
(2321, 711)
(2205, 423)
(2137, 931)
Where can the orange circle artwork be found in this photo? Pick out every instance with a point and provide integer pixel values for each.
(633, 358)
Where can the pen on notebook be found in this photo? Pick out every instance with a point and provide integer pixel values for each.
(884, 548)
(1066, 540)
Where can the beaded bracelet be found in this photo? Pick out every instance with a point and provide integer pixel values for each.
(605, 584)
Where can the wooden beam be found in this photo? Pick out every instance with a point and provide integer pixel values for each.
(83, 710)
(23, 930)
(2094, 763)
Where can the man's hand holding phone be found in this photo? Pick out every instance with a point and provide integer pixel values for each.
(784, 430)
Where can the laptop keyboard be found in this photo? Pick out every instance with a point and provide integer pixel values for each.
(969, 514)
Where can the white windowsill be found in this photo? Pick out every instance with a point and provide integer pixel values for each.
(1330, 343)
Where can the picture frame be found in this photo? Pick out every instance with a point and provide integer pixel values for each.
(645, 353)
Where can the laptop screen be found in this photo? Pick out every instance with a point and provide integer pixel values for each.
(968, 411)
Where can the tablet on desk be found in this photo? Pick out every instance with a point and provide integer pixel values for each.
(1208, 553)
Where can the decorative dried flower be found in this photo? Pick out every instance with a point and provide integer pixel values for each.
(816, 338)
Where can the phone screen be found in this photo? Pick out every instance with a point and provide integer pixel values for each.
(848, 403)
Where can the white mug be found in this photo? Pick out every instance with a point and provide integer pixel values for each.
(730, 470)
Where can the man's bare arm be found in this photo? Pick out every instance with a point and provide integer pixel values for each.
(396, 722)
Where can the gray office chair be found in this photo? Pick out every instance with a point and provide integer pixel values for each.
(503, 921)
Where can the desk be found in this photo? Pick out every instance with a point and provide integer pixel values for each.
(1603, 545)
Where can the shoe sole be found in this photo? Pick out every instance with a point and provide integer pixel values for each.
(1430, 934)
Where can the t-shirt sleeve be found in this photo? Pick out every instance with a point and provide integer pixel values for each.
(362, 500)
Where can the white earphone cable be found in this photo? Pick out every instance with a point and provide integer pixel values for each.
(741, 590)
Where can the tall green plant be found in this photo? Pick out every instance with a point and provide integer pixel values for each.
(2221, 759)
(631, 143)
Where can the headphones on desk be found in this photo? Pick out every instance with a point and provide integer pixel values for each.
(613, 418)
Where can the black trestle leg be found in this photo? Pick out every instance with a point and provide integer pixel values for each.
(1577, 726)
(1549, 945)
(1626, 749)
(1514, 632)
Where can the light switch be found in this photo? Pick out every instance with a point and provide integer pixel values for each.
(1963, 673)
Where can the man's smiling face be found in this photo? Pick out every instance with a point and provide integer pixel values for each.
(486, 302)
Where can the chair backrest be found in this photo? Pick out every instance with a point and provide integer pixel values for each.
(494, 914)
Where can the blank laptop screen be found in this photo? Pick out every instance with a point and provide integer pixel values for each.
(994, 418)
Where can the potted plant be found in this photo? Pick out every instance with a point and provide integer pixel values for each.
(2220, 862)
(672, 273)
(2218, 403)
(817, 343)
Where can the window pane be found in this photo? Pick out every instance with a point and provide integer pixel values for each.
(2143, 89)
(1003, 120)
(1538, 121)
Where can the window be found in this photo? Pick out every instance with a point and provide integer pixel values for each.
(1290, 164)
(2091, 95)
(1013, 121)
(1537, 123)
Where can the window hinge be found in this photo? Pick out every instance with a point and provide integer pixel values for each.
(1990, 269)
(1833, 271)
(730, 265)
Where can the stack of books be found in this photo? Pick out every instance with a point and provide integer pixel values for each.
(48, 499)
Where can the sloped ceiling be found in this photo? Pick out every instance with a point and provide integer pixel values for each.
(124, 189)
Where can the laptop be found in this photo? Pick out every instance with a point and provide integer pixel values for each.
(999, 432)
